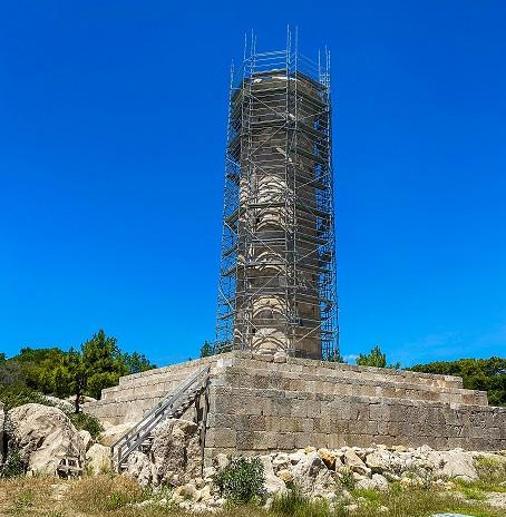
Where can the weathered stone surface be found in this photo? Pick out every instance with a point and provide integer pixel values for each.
(353, 461)
(377, 482)
(328, 457)
(140, 468)
(222, 461)
(453, 464)
(98, 459)
(258, 406)
(173, 452)
(272, 483)
(312, 476)
(112, 434)
(64, 405)
(86, 439)
(43, 435)
(379, 460)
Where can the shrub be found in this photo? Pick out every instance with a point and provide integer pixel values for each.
(13, 466)
(242, 480)
(491, 470)
(14, 395)
(83, 421)
(347, 479)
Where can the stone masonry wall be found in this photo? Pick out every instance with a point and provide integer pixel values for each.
(138, 393)
(257, 405)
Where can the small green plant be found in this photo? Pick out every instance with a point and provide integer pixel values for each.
(24, 500)
(294, 504)
(473, 493)
(86, 422)
(347, 479)
(491, 470)
(242, 480)
(13, 466)
(116, 500)
(372, 497)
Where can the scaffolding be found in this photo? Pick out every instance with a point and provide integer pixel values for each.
(277, 286)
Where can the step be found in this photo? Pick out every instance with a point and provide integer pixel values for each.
(305, 366)
(334, 384)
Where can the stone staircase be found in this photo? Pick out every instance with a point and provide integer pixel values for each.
(342, 380)
(174, 405)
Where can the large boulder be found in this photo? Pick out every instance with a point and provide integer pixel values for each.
(86, 438)
(44, 436)
(175, 452)
(98, 459)
(352, 460)
(140, 468)
(377, 482)
(272, 484)
(112, 434)
(454, 464)
(313, 477)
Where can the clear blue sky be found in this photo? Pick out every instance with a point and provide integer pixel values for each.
(112, 132)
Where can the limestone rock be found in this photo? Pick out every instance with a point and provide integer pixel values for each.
(379, 460)
(43, 435)
(86, 439)
(209, 472)
(353, 461)
(296, 457)
(140, 468)
(328, 457)
(112, 434)
(285, 475)
(64, 405)
(280, 461)
(454, 464)
(98, 459)
(173, 452)
(379, 482)
(221, 461)
(312, 476)
(272, 483)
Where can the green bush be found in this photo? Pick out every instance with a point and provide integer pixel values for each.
(347, 479)
(478, 374)
(13, 466)
(242, 480)
(13, 395)
(83, 421)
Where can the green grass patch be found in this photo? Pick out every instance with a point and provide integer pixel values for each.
(294, 504)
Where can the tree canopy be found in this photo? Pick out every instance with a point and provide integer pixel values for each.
(478, 374)
(97, 364)
(375, 358)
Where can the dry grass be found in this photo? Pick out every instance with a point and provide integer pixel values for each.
(113, 496)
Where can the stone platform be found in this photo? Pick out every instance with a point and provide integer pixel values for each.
(256, 405)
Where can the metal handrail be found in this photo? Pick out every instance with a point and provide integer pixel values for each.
(138, 433)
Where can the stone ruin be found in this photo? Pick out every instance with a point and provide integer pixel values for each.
(257, 405)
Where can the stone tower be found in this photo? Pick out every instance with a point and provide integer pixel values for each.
(277, 289)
